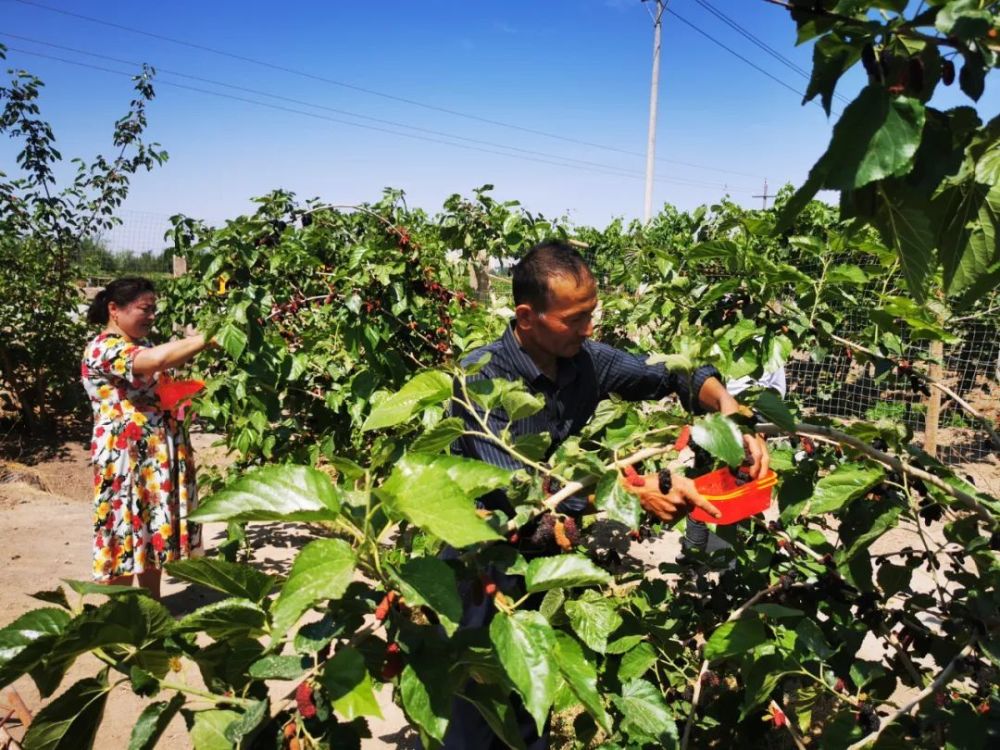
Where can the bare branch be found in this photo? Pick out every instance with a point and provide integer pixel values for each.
(734, 615)
(900, 650)
(788, 540)
(892, 462)
(19, 707)
(939, 682)
(573, 487)
(789, 726)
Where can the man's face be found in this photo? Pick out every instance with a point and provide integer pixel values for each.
(568, 320)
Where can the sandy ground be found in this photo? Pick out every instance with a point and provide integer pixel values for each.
(45, 538)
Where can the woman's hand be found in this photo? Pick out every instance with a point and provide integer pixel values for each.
(209, 341)
(675, 504)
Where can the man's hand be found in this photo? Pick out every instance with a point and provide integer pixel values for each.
(756, 449)
(683, 496)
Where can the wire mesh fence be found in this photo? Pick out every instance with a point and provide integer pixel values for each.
(136, 246)
(837, 385)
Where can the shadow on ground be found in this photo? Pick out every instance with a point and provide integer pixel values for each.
(189, 598)
(55, 445)
(273, 546)
(405, 739)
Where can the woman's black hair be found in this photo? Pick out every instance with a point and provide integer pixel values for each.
(122, 292)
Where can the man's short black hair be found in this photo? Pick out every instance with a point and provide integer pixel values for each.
(546, 259)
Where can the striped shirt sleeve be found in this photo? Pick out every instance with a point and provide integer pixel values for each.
(627, 375)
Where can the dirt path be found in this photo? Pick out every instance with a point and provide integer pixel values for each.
(45, 538)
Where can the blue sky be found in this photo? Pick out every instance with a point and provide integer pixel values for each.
(579, 69)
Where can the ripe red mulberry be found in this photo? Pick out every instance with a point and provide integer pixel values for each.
(304, 700)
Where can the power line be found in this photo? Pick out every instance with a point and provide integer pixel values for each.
(754, 39)
(731, 51)
(303, 112)
(608, 170)
(371, 92)
(595, 167)
(332, 109)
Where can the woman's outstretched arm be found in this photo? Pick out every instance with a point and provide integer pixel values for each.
(165, 356)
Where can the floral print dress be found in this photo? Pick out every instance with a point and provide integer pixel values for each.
(144, 474)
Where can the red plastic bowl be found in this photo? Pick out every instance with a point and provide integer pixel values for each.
(172, 393)
(736, 502)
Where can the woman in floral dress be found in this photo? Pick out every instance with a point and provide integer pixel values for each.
(144, 475)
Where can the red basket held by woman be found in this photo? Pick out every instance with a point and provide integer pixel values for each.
(174, 394)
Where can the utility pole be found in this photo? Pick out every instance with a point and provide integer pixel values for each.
(765, 196)
(653, 92)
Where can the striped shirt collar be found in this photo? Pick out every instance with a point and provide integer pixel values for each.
(524, 365)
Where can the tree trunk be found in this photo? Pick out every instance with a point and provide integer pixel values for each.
(479, 277)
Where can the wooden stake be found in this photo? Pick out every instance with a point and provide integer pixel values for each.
(933, 416)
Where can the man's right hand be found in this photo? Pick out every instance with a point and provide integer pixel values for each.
(678, 502)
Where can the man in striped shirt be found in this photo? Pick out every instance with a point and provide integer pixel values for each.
(548, 347)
